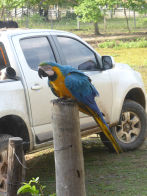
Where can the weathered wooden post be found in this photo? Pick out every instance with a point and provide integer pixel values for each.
(70, 178)
(15, 169)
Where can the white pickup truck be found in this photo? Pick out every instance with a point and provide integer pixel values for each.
(25, 99)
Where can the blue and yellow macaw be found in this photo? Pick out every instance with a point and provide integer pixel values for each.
(68, 82)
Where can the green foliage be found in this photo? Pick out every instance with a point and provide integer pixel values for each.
(145, 22)
(89, 11)
(10, 4)
(36, 18)
(34, 187)
(142, 22)
(70, 15)
(139, 43)
(92, 10)
(136, 5)
(34, 21)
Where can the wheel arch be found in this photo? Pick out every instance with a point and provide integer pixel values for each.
(15, 126)
(137, 95)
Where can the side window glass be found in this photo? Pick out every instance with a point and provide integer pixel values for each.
(37, 50)
(4, 62)
(77, 54)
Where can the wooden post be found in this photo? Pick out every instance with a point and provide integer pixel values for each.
(70, 178)
(15, 169)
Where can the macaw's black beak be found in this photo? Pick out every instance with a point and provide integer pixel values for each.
(42, 73)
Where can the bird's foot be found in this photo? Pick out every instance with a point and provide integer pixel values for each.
(69, 99)
(65, 99)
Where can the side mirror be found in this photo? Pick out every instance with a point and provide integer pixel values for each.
(107, 62)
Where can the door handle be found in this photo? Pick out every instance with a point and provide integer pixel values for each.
(36, 87)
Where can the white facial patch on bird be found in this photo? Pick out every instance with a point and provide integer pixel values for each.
(47, 69)
(50, 72)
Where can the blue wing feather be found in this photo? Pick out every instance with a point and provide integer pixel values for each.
(80, 86)
(82, 89)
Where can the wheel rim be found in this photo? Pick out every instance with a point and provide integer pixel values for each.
(130, 127)
(3, 170)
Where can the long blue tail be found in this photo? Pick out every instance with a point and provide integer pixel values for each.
(92, 109)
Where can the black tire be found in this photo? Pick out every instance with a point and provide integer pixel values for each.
(4, 138)
(131, 131)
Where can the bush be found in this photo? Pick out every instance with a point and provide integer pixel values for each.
(33, 187)
(138, 43)
(36, 18)
(70, 15)
(145, 21)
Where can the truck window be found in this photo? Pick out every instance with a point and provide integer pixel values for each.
(4, 62)
(37, 50)
(77, 54)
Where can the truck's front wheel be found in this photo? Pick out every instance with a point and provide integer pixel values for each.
(131, 130)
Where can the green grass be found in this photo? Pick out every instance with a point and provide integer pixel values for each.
(114, 175)
(138, 43)
(106, 174)
(135, 57)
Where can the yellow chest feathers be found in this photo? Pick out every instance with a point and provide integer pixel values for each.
(59, 85)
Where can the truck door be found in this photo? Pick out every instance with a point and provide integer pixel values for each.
(30, 52)
(76, 53)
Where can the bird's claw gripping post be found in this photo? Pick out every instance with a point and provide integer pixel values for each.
(64, 101)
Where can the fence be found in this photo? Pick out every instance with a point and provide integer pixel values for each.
(56, 13)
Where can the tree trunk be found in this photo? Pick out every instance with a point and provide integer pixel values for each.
(134, 20)
(58, 15)
(15, 12)
(78, 23)
(126, 19)
(111, 13)
(22, 12)
(40, 11)
(46, 14)
(3, 12)
(96, 28)
(27, 18)
(129, 14)
(114, 11)
(27, 11)
(105, 23)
